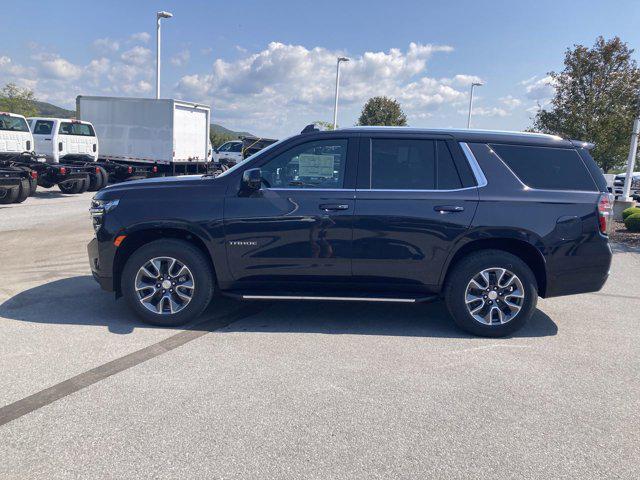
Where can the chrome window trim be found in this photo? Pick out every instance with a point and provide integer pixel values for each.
(414, 190)
(473, 163)
(284, 189)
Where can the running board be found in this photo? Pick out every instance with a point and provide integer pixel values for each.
(335, 299)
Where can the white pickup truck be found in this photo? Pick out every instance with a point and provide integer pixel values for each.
(57, 139)
(15, 136)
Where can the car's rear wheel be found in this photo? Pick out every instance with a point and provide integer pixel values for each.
(167, 282)
(97, 180)
(491, 293)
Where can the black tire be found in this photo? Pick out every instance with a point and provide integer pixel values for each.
(33, 186)
(82, 185)
(68, 187)
(466, 269)
(8, 195)
(97, 180)
(44, 184)
(23, 190)
(188, 255)
(105, 177)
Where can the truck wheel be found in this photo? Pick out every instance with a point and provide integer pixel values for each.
(167, 282)
(97, 180)
(33, 186)
(44, 183)
(491, 293)
(8, 195)
(23, 190)
(68, 187)
(105, 177)
(82, 185)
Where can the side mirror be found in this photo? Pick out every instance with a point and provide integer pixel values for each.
(252, 179)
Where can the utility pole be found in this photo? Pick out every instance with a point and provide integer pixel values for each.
(335, 107)
(474, 84)
(159, 16)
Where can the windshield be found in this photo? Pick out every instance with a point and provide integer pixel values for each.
(255, 155)
(82, 129)
(13, 124)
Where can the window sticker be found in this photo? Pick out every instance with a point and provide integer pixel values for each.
(317, 166)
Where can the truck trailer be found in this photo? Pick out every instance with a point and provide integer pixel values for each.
(145, 137)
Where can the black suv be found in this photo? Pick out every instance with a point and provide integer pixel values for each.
(486, 220)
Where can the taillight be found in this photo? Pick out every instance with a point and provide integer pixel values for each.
(95, 147)
(28, 145)
(605, 207)
(63, 171)
(98, 170)
(155, 169)
(34, 174)
(130, 170)
(60, 146)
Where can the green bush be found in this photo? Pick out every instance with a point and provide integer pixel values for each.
(632, 222)
(629, 211)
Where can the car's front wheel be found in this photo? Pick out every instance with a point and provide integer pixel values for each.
(491, 293)
(167, 282)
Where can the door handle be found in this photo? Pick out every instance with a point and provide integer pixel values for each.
(333, 206)
(448, 208)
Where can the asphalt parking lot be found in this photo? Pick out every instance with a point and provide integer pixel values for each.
(301, 390)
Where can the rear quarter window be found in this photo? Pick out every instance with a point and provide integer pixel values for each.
(547, 168)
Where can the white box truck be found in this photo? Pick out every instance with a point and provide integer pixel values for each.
(148, 136)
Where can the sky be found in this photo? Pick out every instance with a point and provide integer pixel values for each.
(269, 67)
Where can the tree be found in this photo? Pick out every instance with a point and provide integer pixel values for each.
(218, 138)
(324, 125)
(17, 100)
(596, 99)
(382, 111)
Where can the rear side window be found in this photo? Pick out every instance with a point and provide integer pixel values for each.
(13, 124)
(71, 128)
(43, 127)
(547, 168)
(412, 164)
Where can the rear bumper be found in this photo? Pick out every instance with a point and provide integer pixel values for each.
(588, 276)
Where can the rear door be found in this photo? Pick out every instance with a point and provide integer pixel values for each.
(416, 195)
(190, 133)
(43, 137)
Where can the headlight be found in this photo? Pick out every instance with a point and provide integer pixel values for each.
(98, 209)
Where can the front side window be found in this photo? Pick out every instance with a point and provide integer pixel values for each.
(224, 147)
(236, 148)
(318, 164)
(43, 127)
(72, 128)
(13, 124)
(547, 168)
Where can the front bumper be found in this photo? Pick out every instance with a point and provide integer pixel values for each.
(101, 268)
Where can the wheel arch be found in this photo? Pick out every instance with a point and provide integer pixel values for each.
(523, 249)
(142, 236)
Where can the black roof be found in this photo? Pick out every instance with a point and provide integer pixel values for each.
(472, 135)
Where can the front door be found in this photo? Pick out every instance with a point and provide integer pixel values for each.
(298, 227)
(415, 198)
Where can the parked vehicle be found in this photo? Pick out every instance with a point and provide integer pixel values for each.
(618, 185)
(15, 136)
(141, 137)
(252, 145)
(228, 154)
(74, 143)
(488, 221)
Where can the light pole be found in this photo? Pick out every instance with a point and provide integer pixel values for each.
(159, 16)
(335, 107)
(474, 84)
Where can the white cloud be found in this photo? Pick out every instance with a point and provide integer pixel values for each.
(54, 66)
(490, 112)
(181, 58)
(137, 55)
(463, 80)
(106, 45)
(510, 101)
(539, 88)
(143, 37)
(282, 83)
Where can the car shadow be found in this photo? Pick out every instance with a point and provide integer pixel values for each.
(79, 301)
(50, 193)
